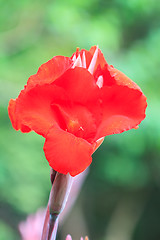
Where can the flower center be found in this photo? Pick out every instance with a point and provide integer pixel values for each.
(74, 127)
(67, 122)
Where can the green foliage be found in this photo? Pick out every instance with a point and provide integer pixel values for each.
(7, 232)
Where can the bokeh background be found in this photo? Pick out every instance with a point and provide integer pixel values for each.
(120, 199)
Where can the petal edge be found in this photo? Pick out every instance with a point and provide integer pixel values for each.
(67, 153)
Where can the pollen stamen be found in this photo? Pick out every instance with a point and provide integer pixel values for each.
(100, 81)
(93, 61)
(81, 128)
(78, 62)
(74, 58)
(84, 60)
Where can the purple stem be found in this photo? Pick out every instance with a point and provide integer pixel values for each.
(58, 197)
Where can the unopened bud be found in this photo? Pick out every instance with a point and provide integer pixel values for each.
(59, 193)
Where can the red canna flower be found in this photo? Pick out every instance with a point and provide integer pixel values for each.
(74, 103)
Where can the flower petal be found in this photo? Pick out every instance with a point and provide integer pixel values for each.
(12, 115)
(49, 71)
(79, 85)
(121, 78)
(123, 108)
(67, 153)
(32, 109)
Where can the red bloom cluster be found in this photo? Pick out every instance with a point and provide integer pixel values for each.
(74, 103)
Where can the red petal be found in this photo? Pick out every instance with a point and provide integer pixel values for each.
(121, 78)
(11, 112)
(12, 115)
(79, 84)
(67, 153)
(49, 71)
(33, 108)
(123, 109)
(123, 103)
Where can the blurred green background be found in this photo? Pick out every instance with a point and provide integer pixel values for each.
(120, 199)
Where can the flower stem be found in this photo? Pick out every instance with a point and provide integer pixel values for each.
(58, 197)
